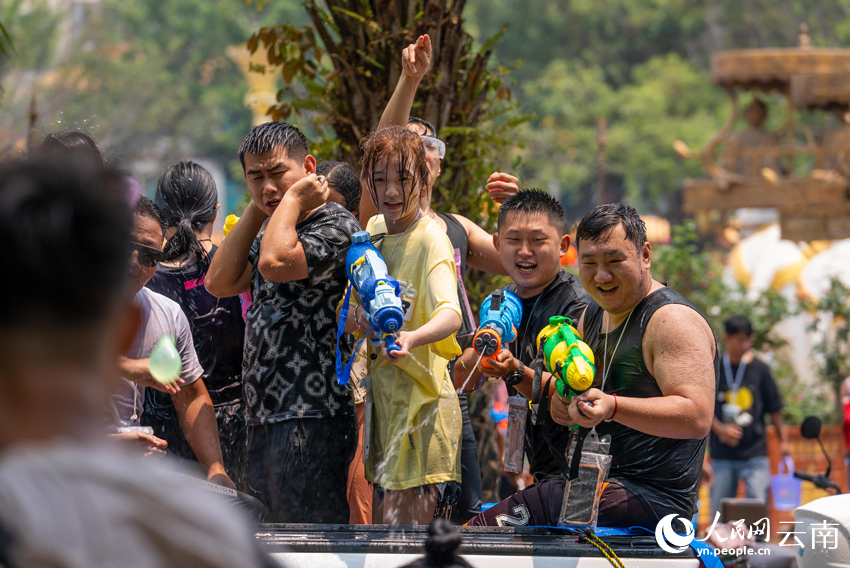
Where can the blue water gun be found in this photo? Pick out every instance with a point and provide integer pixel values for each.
(501, 314)
(380, 296)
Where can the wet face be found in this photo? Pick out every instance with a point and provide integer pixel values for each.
(397, 198)
(531, 249)
(147, 232)
(613, 272)
(432, 158)
(271, 174)
(737, 344)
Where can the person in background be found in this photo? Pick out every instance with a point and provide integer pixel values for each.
(472, 245)
(302, 427)
(162, 317)
(745, 393)
(343, 184)
(72, 144)
(68, 497)
(187, 199)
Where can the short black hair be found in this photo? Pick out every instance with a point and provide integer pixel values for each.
(147, 208)
(429, 128)
(65, 227)
(533, 201)
(602, 219)
(271, 135)
(342, 177)
(737, 324)
(71, 144)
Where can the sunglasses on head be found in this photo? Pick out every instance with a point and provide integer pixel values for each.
(434, 146)
(148, 256)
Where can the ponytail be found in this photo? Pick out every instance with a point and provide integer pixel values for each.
(187, 197)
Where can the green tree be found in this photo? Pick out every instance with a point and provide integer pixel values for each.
(832, 320)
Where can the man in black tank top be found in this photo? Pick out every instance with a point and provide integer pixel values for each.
(658, 360)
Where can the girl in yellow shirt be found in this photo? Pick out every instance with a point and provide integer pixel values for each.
(416, 421)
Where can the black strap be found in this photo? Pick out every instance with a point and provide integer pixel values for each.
(560, 460)
(574, 463)
(538, 375)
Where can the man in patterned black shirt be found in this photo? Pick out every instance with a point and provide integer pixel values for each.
(302, 428)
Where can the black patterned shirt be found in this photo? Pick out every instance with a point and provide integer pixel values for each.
(288, 367)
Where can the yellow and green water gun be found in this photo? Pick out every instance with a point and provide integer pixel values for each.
(568, 358)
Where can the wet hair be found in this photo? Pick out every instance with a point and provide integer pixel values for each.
(146, 208)
(401, 143)
(65, 228)
(602, 219)
(71, 144)
(187, 199)
(272, 135)
(429, 128)
(737, 324)
(342, 177)
(533, 201)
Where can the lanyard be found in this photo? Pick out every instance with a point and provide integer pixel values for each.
(739, 376)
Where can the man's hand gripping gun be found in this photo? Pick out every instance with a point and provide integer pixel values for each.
(568, 358)
(501, 313)
(380, 293)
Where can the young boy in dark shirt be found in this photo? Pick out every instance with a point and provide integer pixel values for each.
(302, 429)
(531, 241)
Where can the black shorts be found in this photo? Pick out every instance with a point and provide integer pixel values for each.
(299, 468)
(540, 505)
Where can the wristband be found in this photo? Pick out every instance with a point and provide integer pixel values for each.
(615, 408)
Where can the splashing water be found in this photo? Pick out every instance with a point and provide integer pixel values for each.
(393, 446)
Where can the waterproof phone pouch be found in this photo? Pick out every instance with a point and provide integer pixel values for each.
(366, 384)
(582, 494)
(515, 446)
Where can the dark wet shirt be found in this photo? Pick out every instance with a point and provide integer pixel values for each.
(663, 472)
(218, 330)
(290, 353)
(564, 296)
(765, 398)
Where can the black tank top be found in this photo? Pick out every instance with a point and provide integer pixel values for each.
(662, 472)
(460, 242)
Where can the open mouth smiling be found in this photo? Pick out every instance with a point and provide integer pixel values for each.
(526, 267)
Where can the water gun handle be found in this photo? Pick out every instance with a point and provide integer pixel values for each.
(391, 344)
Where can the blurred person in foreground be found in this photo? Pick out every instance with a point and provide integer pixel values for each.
(67, 496)
(745, 393)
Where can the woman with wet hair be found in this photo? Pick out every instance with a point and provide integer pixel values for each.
(187, 198)
(344, 184)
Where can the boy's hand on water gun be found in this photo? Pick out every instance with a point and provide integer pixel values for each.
(501, 365)
(308, 193)
(590, 408)
(559, 410)
(501, 186)
(416, 58)
(406, 340)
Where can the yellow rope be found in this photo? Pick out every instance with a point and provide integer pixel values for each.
(603, 548)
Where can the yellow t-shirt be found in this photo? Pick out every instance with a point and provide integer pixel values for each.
(411, 445)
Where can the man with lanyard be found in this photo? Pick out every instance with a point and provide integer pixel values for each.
(531, 241)
(656, 371)
(746, 393)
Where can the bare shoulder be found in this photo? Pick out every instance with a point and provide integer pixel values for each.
(678, 330)
(470, 227)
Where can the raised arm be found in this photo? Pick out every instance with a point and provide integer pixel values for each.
(282, 257)
(415, 61)
(679, 352)
(230, 272)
